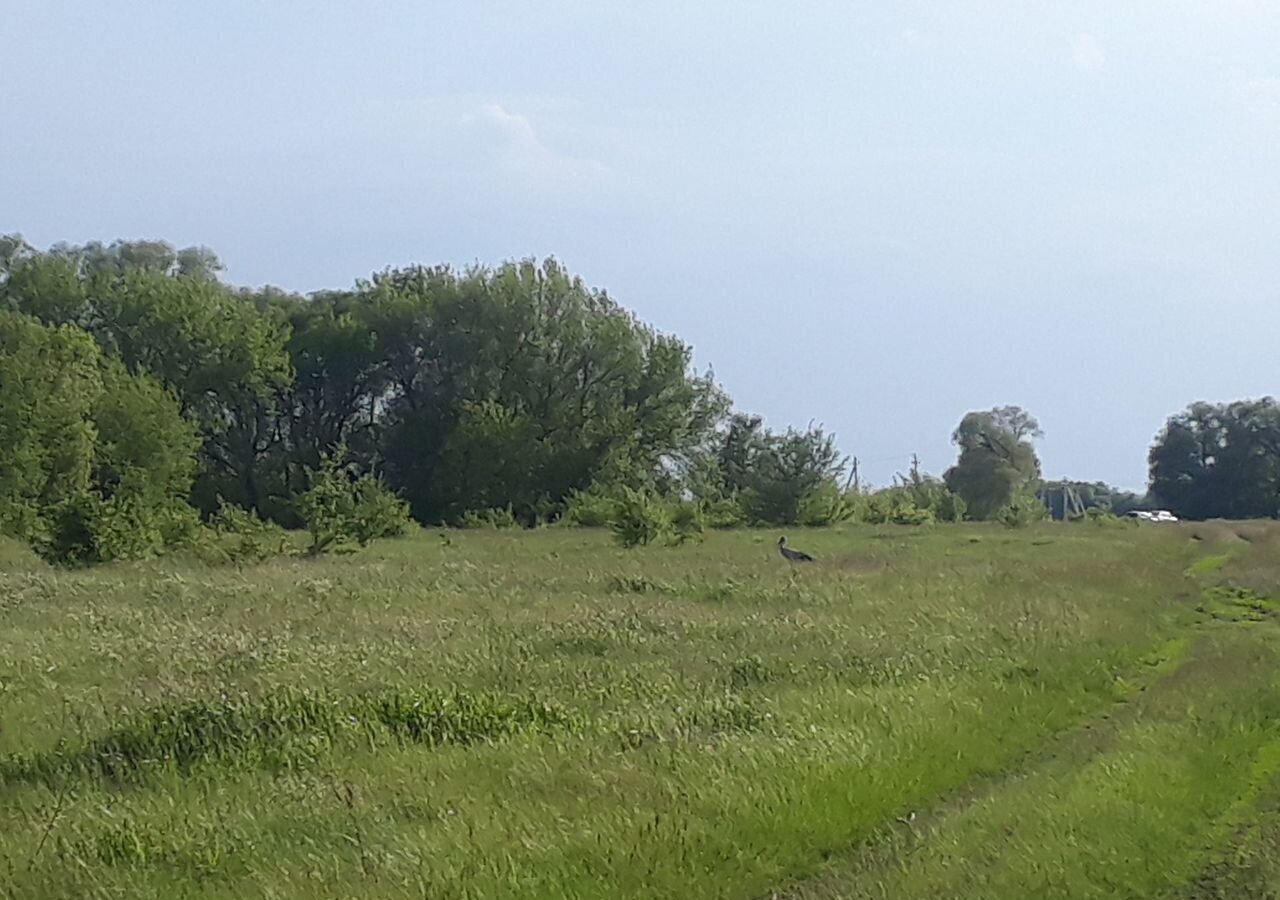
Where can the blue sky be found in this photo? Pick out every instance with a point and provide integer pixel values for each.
(871, 215)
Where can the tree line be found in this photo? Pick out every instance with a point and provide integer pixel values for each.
(141, 398)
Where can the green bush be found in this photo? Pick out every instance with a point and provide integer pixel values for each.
(826, 505)
(592, 508)
(502, 517)
(339, 510)
(638, 519)
(686, 522)
(1104, 518)
(897, 508)
(1024, 510)
(910, 514)
(878, 508)
(95, 460)
(247, 537)
(951, 508)
(722, 512)
(88, 529)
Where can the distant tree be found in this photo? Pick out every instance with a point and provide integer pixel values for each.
(162, 312)
(1125, 502)
(155, 257)
(227, 363)
(13, 249)
(997, 461)
(51, 379)
(515, 387)
(47, 287)
(339, 379)
(789, 473)
(97, 461)
(768, 477)
(524, 379)
(740, 451)
(1219, 461)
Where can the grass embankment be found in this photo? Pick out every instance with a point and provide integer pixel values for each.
(1068, 711)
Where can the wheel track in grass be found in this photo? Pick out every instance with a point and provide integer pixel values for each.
(1210, 654)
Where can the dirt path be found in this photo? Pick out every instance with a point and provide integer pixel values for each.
(980, 841)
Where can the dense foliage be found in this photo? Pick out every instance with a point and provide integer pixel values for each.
(511, 389)
(997, 463)
(140, 393)
(97, 461)
(1220, 460)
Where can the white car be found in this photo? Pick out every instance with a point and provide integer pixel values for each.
(1155, 515)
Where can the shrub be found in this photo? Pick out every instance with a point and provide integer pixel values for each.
(1024, 510)
(722, 512)
(895, 506)
(789, 476)
(249, 537)
(951, 507)
(826, 505)
(910, 514)
(95, 460)
(88, 529)
(500, 517)
(592, 508)
(878, 509)
(686, 522)
(339, 510)
(638, 519)
(1104, 518)
(379, 513)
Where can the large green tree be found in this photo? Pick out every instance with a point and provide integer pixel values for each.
(997, 461)
(521, 384)
(511, 386)
(50, 379)
(163, 312)
(777, 478)
(1220, 460)
(98, 461)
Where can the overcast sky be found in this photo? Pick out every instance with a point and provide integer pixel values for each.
(873, 215)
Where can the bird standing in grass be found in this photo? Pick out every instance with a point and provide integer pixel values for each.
(792, 555)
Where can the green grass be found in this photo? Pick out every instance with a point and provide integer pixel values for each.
(1067, 711)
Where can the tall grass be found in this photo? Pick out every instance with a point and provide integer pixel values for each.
(491, 713)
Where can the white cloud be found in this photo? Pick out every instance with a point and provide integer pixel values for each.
(521, 152)
(1087, 53)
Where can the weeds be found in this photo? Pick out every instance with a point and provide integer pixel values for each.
(540, 714)
(284, 730)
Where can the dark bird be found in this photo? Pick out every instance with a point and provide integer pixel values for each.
(792, 555)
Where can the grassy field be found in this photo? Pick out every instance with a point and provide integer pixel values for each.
(1063, 711)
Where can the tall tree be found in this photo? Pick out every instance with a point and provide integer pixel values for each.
(1219, 460)
(508, 386)
(50, 379)
(997, 460)
(97, 461)
(789, 472)
(526, 373)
